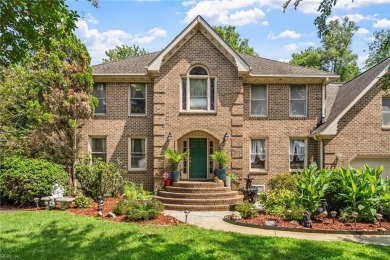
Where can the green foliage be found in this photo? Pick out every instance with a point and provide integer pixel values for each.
(297, 212)
(175, 157)
(332, 194)
(233, 39)
(247, 209)
(363, 190)
(99, 178)
(122, 206)
(144, 211)
(22, 179)
(232, 176)
(82, 201)
(124, 52)
(221, 157)
(312, 184)
(282, 181)
(276, 201)
(133, 191)
(379, 49)
(310, 58)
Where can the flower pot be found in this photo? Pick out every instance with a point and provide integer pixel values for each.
(176, 176)
(168, 183)
(220, 173)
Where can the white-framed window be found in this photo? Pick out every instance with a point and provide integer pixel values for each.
(298, 100)
(198, 91)
(298, 158)
(137, 153)
(100, 92)
(258, 97)
(258, 154)
(138, 95)
(386, 111)
(98, 148)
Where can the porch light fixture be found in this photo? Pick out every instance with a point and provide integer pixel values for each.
(225, 137)
(186, 212)
(170, 137)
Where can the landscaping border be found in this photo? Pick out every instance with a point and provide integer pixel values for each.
(307, 230)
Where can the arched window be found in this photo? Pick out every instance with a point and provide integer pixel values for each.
(198, 91)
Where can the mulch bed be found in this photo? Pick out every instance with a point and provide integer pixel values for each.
(327, 224)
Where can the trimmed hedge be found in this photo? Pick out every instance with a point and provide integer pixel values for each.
(23, 179)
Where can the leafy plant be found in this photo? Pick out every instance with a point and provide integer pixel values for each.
(332, 194)
(144, 211)
(232, 176)
(23, 179)
(297, 212)
(282, 181)
(277, 201)
(99, 178)
(175, 157)
(133, 191)
(82, 201)
(312, 184)
(221, 157)
(247, 209)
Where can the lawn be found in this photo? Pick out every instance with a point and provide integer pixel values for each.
(62, 235)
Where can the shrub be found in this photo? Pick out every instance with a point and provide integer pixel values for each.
(82, 201)
(144, 211)
(23, 179)
(277, 201)
(246, 209)
(297, 212)
(282, 181)
(121, 207)
(136, 192)
(332, 194)
(99, 178)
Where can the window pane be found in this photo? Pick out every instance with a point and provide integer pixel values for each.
(184, 94)
(198, 71)
(98, 145)
(258, 92)
(138, 106)
(298, 107)
(138, 145)
(258, 107)
(297, 154)
(258, 154)
(385, 104)
(386, 118)
(198, 94)
(298, 92)
(138, 161)
(212, 94)
(101, 107)
(99, 91)
(138, 90)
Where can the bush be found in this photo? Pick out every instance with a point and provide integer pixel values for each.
(247, 209)
(145, 211)
(121, 207)
(23, 179)
(82, 201)
(297, 212)
(282, 181)
(276, 202)
(332, 194)
(99, 178)
(136, 192)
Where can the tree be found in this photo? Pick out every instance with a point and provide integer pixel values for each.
(233, 39)
(310, 58)
(379, 49)
(124, 52)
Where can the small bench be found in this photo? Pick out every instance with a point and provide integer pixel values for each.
(63, 201)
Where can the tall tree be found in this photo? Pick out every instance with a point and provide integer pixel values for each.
(233, 39)
(379, 49)
(310, 58)
(124, 52)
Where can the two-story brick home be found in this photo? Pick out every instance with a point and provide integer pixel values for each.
(201, 95)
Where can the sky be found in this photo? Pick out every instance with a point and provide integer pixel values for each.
(274, 34)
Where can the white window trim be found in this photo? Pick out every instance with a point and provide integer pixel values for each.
(385, 112)
(188, 103)
(129, 153)
(265, 169)
(306, 101)
(105, 86)
(90, 144)
(146, 100)
(250, 101)
(306, 151)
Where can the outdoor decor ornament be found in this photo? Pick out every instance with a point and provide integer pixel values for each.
(57, 191)
(306, 221)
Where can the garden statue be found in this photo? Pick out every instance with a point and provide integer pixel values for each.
(249, 192)
(236, 216)
(57, 191)
(306, 221)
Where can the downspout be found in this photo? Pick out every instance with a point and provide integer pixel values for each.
(321, 153)
(323, 99)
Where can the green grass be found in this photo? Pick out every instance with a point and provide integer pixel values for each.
(62, 235)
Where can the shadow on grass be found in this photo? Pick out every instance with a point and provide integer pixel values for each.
(59, 235)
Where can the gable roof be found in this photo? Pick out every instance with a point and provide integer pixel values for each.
(331, 92)
(350, 93)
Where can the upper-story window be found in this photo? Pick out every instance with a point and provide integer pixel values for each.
(198, 91)
(137, 104)
(298, 100)
(99, 92)
(258, 100)
(386, 111)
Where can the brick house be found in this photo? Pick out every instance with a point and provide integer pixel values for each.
(201, 95)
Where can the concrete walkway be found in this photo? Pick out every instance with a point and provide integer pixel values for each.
(214, 220)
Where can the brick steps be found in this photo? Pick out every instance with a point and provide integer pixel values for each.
(199, 196)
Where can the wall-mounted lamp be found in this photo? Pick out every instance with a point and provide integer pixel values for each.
(225, 137)
(170, 137)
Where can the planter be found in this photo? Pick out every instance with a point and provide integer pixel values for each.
(168, 183)
(176, 176)
(228, 181)
(220, 173)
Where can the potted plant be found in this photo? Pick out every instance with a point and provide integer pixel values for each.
(229, 178)
(167, 181)
(222, 158)
(175, 159)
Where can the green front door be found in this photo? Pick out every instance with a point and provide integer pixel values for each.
(198, 158)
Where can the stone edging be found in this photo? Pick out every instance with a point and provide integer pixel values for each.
(308, 230)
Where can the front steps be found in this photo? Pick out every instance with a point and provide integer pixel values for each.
(199, 196)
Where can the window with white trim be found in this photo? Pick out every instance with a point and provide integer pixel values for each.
(98, 148)
(198, 91)
(297, 154)
(137, 153)
(386, 111)
(137, 104)
(99, 92)
(257, 154)
(298, 100)
(258, 100)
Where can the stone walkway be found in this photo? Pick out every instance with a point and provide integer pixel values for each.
(214, 220)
